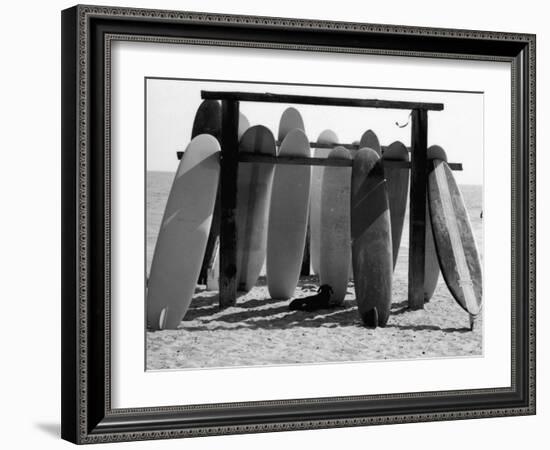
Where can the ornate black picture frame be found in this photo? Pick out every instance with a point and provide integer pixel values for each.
(87, 415)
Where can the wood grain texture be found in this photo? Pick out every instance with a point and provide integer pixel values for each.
(417, 208)
(229, 166)
(454, 239)
(431, 263)
(321, 161)
(313, 100)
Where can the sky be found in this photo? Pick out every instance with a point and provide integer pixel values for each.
(172, 104)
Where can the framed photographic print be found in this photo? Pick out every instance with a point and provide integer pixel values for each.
(282, 224)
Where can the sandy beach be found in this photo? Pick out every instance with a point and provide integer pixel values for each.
(261, 331)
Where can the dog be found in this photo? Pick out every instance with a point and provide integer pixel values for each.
(321, 300)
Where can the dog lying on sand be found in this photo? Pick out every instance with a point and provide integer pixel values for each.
(321, 300)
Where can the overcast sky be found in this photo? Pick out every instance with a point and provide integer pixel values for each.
(171, 107)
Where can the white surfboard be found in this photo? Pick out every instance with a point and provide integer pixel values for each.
(335, 244)
(288, 215)
(326, 137)
(183, 233)
(253, 194)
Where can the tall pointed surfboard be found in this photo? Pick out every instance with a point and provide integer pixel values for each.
(431, 264)
(291, 119)
(288, 216)
(454, 239)
(253, 194)
(335, 246)
(183, 234)
(326, 137)
(371, 238)
(397, 183)
(370, 140)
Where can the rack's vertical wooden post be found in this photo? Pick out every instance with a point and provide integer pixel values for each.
(229, 165)
(417, 205)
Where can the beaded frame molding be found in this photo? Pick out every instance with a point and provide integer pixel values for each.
(87, 34)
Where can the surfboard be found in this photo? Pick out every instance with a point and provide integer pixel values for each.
(454, 239)
(371, 238)
(288, 215)
(208, 119)
(326, 137)
(335, 246)
(370, 140)
(210, 272)
(291, 119)
(244, 124)
(431, 264)
(183, 234)
(397, 185)
(253, 194)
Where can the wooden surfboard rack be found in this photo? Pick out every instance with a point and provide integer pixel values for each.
(325, 162)
(230, 159)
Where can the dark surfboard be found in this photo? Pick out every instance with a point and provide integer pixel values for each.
(370, 140)
(208, 120)
(454, 239)
(397, 183)
(254, 185)
(431, 264)
(371, 238)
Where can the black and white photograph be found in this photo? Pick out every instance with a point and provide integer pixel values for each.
(277, 224)
(295, 224)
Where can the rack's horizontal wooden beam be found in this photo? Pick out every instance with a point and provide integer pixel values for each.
(245, 157)
(325, 145)
(326, 162)
(314, 100)
(293, 160)
(333, 145)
